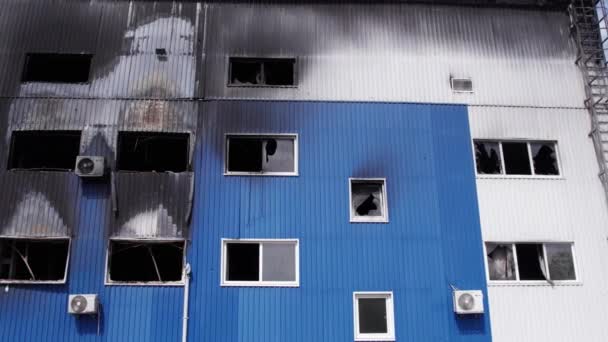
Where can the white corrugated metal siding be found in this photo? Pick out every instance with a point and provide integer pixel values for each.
(572, 208)
(398, 53)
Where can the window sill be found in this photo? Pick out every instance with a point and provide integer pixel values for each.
(382, 220)
(230, 85)
(375, 337)
(32, 282)
(145, 283)
(522, 177)
(259, 284)
(262, 174)
(538, 283)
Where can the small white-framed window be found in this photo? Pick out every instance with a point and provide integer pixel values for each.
(530, 262)
(516, 158)
(261, 155)
(368, 200)
(374, 318)
(145, 262)
(461, 84)
(266, 262)
(34, 261)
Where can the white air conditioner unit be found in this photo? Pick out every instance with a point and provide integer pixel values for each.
(90, 166)
(468, 302)
(83, 304)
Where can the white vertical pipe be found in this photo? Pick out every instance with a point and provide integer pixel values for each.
(186, 300)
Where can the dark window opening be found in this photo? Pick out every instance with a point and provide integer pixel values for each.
(367, 198)
(372, 316)
(44, 150)
(462, 85)
(133, 261)
(487, 157)
(242, 262)
(530, 261)
(159, 152)
(265, 71)
(261, 154)
(57, 68)
(33, 260)
(545, 160)
(517, 161)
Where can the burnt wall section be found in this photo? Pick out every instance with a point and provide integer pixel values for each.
(152, 205)
(140, 49)
(38, 204)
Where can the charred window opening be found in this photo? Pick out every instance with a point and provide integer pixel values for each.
(368, 200)
(487, 157)
(261, 154)
(519, 158)
(33, 260)
(44, 150)
(530, 261)
(545, 160)
(145, 261)
(262, 71)
(159, 152)
(57, 68)
(260, 263)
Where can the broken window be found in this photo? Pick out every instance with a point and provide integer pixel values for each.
(57, 68)
(516, 158)
(374, 317)
(260, 263)
(530, 261)
(545, 160)
(501, 264)
(44, 150)
(272, 155)
(159, 152)
(368, 200)
(33, 260)
(262, 71)
(145, 261)
(487, 157)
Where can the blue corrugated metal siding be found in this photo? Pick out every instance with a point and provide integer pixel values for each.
(433, 238)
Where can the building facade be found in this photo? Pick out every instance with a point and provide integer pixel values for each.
(322, 171)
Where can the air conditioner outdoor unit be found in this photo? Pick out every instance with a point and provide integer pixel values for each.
(468, 302)
(83, 304)
(90, 166)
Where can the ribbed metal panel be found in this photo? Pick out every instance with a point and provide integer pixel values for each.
(432, 240)
(152, 205)
(571, 208)
(399, 53)
(122, 36)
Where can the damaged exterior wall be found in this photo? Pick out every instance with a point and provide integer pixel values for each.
(346, 53)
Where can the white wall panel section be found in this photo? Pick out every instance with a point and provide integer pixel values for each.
(402, 53)
(572, 208)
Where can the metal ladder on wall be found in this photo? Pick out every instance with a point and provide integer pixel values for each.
(589, 28)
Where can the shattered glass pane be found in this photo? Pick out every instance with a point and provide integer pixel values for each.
(279, 155)
(501, 263)
(279, 71)
(36, 260)
(561, 262)
(244, 154)
(487, 157)
(245, 72)
(372, 316)
(279, 262)
(242, 262)
(545, 160)
(530, 261)
(367, 199)
(516, 158)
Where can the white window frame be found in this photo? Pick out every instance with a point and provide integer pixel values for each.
(503, 170)
(109, 282)
(41, 282)
(296, 156)
(368, 219)
(260, 283)
(517, 280)
(390, 316)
